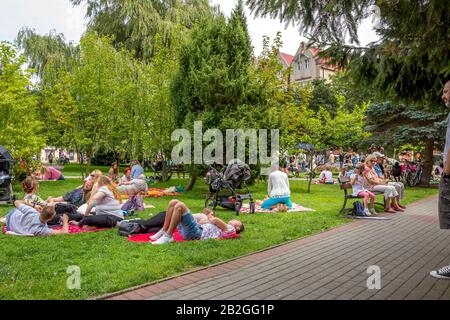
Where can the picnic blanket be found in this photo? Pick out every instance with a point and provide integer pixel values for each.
(295, 208)
(145, 237)
(72, 230)
(156, 193)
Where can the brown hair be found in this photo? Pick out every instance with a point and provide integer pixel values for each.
(48, 213)
(29, 185)
(126, 170)
(106, 182)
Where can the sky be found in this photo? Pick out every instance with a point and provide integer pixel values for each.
(60, 15)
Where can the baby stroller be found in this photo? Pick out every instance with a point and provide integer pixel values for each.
(6, 190)
(228, 179)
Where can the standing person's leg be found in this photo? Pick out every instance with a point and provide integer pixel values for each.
(444, 222)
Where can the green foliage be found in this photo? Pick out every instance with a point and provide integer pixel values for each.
(135, 24)
(20, 128)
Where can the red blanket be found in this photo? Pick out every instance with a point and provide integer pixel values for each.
(72, 229)
(145, 237)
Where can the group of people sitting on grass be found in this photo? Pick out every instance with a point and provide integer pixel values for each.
(97, 204)
(369, 177)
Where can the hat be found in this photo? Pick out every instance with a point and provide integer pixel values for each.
(378, 155)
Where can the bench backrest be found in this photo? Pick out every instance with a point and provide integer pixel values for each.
(344, 183)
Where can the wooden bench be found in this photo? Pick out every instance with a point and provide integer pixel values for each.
(345, 185)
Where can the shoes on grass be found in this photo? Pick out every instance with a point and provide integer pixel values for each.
(157, 235)
(442, 273)
(163, 240)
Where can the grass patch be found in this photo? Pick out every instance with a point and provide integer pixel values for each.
(35, 268)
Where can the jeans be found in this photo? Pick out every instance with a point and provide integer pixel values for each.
(189, 228)
(274, 201)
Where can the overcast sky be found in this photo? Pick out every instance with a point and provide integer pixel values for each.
(44, 15)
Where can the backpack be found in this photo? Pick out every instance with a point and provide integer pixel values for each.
(358, 209)
(127, 228)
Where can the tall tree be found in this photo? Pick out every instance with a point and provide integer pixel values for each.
(135, 23)
(21, 130)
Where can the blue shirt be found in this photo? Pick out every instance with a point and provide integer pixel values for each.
(378, 170)
(136, 170)
(26, 221)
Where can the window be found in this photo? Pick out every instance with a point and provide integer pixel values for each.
(306, 64)
(300, 65)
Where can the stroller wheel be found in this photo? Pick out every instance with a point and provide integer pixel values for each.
(237, 207)
(210, 203)
(252, 207)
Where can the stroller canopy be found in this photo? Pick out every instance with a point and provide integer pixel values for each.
(5, 155)
(236, 172)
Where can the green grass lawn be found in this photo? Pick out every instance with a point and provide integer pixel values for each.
(35, 268)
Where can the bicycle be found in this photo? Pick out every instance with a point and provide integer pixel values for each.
(414, 172)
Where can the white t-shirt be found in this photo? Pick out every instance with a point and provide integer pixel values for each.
(328, 175)
(359, 184)
(211, 231)
(278, 186)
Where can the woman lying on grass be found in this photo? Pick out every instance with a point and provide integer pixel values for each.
(179, 215)
(107, 206)
(27, 221)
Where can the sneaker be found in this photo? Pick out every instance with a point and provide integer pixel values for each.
(442, 273)
(163, 240)
(157, 235)
(367, 212)
(373, 212)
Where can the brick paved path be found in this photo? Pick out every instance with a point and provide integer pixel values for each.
(330, 265)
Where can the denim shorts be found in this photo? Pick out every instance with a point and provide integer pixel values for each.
(188, 228)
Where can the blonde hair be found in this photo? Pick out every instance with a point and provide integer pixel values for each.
(370, 158)
(29, 185)
(105, 181)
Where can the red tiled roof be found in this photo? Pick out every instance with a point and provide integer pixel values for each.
(287, 58)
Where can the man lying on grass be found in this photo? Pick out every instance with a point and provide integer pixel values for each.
(27, 221)
(179, 215)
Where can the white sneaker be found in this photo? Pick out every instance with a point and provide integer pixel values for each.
(163, 240)
(367, 212)
(158, 235)
(373, 212)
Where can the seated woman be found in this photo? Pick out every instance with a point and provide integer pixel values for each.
(113, 172)
(107, 206)
(27, 221)
(179, 216)
(50, 173)
(278, 189)
(326, 176)
(357, 181)
(133, 190)
(376, 183)
(126, 176)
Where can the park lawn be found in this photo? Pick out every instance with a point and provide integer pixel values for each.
(35, 268)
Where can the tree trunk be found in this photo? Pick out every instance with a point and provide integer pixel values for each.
(427, 163)
(192, 179)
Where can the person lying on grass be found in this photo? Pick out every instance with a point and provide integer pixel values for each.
(179, 216)
(28, 221)
(76, 197)
(107, 207)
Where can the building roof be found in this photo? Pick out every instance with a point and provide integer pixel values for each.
(322, 62)
(287, 58)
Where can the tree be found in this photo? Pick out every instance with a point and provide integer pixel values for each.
(21, 130)
(402, 125)
(214, 74)
(408, 65)
(135, 23)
